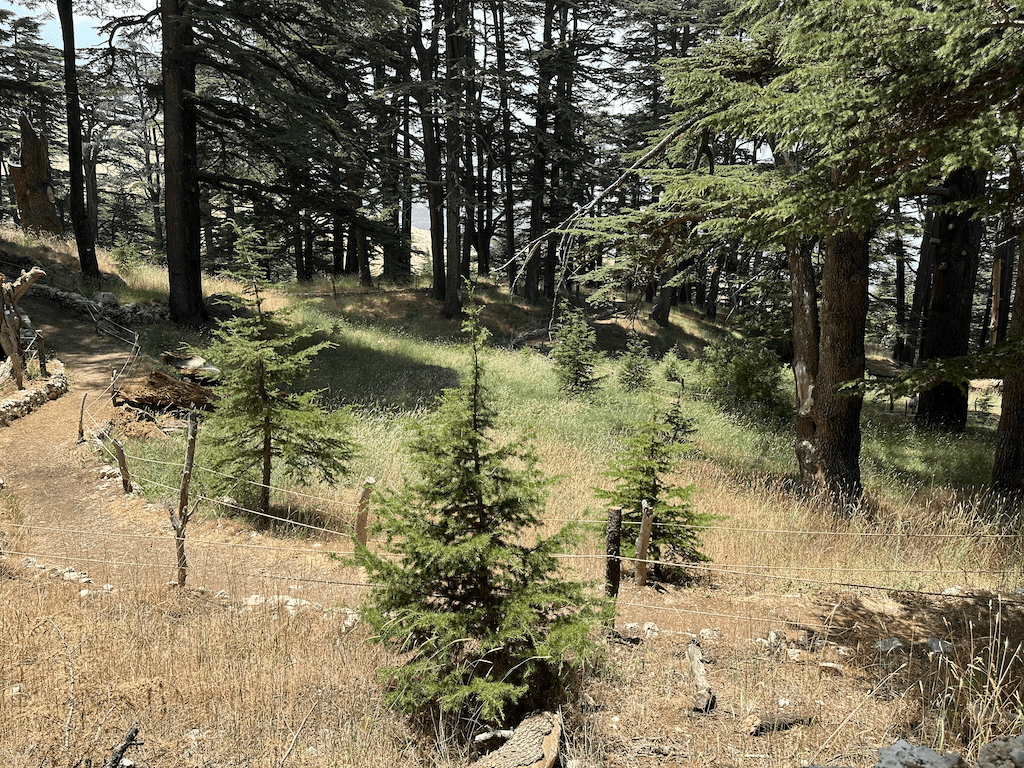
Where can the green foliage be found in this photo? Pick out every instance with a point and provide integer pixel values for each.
(127, 256)
(640, 472)
(635, 366)
(251, 264)
(744, 376)
(575, 355)
(258, 424)
(489, 625)
(672, 366)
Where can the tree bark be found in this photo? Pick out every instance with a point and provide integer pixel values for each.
(948, 325)
(33, 183)
(181, 206)
(828, 349)
(1008, 466)
(85, 234)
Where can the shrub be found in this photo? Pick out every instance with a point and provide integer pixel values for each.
(744, 376)
(672, 366)
(635, 366)
(490, 628)
(575, 355)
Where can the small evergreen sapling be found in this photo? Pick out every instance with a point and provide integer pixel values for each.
(639, 471)
(491, 628)
(635, 366)
(575, 355)
(258, 424)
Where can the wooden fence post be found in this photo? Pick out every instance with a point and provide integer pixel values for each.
(122, 463)
(363, 510)
(41, 352)
(612, 548)
(646, 520)
(81, 420)
(180, 519)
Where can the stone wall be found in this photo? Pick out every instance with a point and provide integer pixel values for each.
(27, 400)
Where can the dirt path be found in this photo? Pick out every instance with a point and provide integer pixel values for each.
(72, 518)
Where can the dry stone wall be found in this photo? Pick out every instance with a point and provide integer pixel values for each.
(27, 400)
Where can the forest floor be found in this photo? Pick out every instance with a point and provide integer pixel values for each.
(797, 676)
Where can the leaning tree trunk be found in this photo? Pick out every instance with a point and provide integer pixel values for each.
(33, 183)
(948, 323)
(828, 352)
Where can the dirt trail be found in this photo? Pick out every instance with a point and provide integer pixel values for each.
(73, 518)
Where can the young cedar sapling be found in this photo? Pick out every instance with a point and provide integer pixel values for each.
(491, 627)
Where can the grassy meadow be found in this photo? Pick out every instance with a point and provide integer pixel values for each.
(213, 685)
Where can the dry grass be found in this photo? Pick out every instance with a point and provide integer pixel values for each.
(210, 683)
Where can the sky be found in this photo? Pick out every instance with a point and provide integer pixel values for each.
(85, 26)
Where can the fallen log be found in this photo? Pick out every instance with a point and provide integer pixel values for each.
(162, 391)
(534, 744)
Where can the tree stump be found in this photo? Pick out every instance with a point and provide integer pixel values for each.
(33, 183)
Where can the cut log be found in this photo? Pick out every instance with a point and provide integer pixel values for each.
(162, 391)
(769, 722)
(534, 744)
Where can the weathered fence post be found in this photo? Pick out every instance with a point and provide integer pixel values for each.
(180, 519)
(41, 351)
(81, 420)
(363, 510)
(612, 548)
(122, 463)
(642, 543)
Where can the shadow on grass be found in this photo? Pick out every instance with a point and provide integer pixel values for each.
(355, 372)
(921, 457)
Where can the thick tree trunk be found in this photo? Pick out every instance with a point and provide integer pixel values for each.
(948, 325)
(181, 185)
(828, 351)
(85, 233)
(1008, 466)
(663, 308)
(33, 183)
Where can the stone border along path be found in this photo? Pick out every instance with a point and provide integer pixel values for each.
(26, 400)
(77, 519)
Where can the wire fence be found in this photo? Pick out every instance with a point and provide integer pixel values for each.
(807, 575)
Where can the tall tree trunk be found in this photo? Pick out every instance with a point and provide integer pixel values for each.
(1008, 466)
(828, 434)
(541, 152)
(900, 255)
(922, 286)
(337, 244)
(85, 234)
(181, 184)
(456, 48)
(948, 325)
(507, 155)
